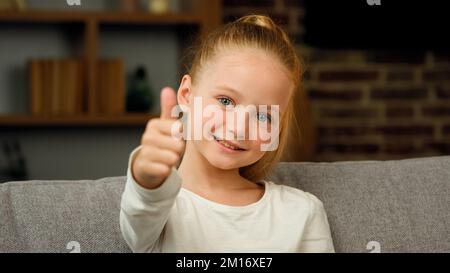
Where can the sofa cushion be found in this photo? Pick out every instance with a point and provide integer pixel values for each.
(61, 216)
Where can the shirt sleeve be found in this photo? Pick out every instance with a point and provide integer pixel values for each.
(317, 237)
(144, 212)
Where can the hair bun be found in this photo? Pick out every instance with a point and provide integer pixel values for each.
(259, 20)
(265, 22)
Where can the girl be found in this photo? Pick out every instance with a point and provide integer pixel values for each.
(217, 200)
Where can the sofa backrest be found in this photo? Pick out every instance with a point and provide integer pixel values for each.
(387, 206)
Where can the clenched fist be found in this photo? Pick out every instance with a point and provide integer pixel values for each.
(160, 151)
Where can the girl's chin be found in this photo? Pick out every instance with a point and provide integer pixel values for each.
(222, 163)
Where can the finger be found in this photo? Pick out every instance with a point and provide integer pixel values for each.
(168, 102)
(155, 168)
(157, 155)
(164, 142)
(164, 126)
(167, 157)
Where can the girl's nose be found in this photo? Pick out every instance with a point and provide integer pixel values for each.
(237, 125)
(236, 133)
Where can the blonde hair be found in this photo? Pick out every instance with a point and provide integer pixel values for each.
(261, 32)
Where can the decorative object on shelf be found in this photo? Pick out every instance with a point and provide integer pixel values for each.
(111, 86)
(17, 167)
(130, 5)
(140, 96)
(55, 87)
(159, 6)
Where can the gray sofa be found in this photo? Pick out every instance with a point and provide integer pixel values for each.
(372, 206)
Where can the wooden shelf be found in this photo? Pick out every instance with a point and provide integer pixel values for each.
(206, 17)
(75, 121)
(100, 17)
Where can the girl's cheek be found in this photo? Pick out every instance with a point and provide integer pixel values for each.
(264, 140)
(211, 119)
(208, 126)
(256, 144)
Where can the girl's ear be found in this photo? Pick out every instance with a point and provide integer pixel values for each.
(184, 94)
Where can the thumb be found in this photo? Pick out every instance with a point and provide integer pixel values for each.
(168, 101)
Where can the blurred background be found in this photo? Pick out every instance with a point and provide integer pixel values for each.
(78, 83)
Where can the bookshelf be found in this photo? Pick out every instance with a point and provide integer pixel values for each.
(20, 121)
(206, 17)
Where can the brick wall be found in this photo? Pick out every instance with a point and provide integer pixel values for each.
(379, 108)
(367, 104)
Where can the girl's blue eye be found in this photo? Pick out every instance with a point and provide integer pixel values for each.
(263, 117)
(226, 101)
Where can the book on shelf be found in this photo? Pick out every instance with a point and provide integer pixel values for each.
(71, 78)
(111, 86)
(36, 87)
(12, 5)
(55, 86)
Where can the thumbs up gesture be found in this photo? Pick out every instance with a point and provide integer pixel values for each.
(160, 151)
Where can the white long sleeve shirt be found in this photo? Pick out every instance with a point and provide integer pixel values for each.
(171, 218)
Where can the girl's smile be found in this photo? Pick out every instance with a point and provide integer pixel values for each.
(227, 146)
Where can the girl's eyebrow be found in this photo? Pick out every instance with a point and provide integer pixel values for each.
(227, 88)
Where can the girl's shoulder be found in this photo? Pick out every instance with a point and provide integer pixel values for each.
(292, 196)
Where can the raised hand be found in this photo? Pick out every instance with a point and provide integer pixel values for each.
(160, 151)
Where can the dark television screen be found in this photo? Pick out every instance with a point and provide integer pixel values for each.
(394, 24)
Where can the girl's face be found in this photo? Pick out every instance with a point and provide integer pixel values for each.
(236, 77)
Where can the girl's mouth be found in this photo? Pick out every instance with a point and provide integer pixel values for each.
(227, 145)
